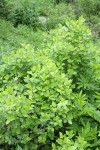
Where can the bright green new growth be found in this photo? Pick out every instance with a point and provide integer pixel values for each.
(49, 98)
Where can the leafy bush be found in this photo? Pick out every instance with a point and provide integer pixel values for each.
(54, 14)
(6, 31)
(72, 51)
(95, 25)
(3, 8)
(23, 12)
(36, 93)
(12, 38)
(59, 15)
(65, 142)
(29, 12)
(47, 92)
(90, 7)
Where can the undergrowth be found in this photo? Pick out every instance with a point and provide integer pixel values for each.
(49, 88)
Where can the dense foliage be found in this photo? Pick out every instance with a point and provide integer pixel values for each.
(3, 9)
(47, 15)
(90, 9)
(49, 75)
(23, 12)
(49, 94)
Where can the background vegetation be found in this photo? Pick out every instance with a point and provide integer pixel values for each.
(49, 75)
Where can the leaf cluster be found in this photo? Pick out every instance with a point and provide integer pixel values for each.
(50, 98)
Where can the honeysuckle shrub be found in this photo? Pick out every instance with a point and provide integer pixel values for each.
(44, 101)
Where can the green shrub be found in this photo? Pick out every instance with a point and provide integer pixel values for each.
(59, 15)
(47, 92)
(36, 92)
(95, 25)
(53, 14)
(23, 12)
(3, 9)
(12, 38)
(72, 51)
(65, 142)
(6, 37)
(28, 13)
(90, 7)
(43, 7)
